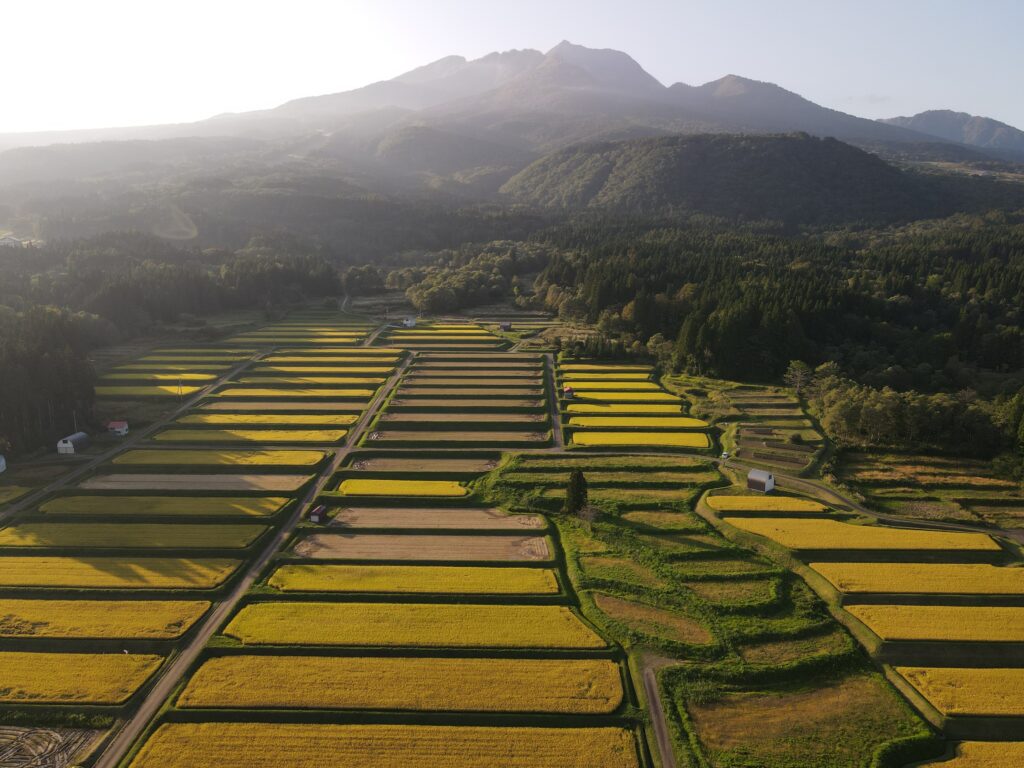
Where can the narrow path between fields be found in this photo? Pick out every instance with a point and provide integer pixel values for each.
(650, 666)
(557, 435)
(175, 670)
(130, 442)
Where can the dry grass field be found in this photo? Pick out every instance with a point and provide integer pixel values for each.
(653, 621)
(725, 503)
(435, 518)
(367, 546)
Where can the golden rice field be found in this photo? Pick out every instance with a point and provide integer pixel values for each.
(602, 367)
(173, 367)
(607, 409)
(636, 422)
(586, 385)
(156, 376)
(151, 620)
(155, 390)
(180, 506)
(116, 572)
(286, 436)
(340, 370)
(273, 745)
(633, 397)
(413, 579)
(131, 535)
(834, 535)
(987, 754)
(723, 503)
(923, 578)
(73, 678)
(564, 686)
(984, 692)
(412, 625)
(297, 392)
(220, 458)
(604, 374)
(312, 380)
(671, 439)
(954, 623)
(331, 359)
(191, 483)
(286, 419)
(375, 487)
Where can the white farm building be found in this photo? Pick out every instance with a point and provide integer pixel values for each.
(759, 480)
(73, 443)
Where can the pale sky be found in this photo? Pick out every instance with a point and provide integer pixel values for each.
(76, 64)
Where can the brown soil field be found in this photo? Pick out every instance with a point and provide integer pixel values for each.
(471, 391)
(426, 402)
(413, 547)
(465, 418)
(482, 464)
(431, 517)
(455, 436)
(450, 369)
(475, 371)
(472, 381)
(146, 482)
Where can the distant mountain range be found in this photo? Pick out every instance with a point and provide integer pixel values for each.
(490, 129)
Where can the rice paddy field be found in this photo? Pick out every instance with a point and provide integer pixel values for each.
(115, 572)
(990, 692)
(154, 620)
(262, 745)
(188, 483)
(219, 458)
(768, 504)
(434, 547)
(73, 678)
(938, 488)
(259, 436)
(376, 487)
(952, 623)
(923, 578)
(435, 518)
(170, 506)
(391, 625)
(122, 535)
(413, 579)
(569, 686)
(836, 536)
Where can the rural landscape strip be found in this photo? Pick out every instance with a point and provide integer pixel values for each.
(118, 747)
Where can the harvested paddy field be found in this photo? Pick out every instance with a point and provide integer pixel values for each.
(171, 506)
(132, 535)
(115, 572)
(115, 378)
(155, 390)
(399, 464)
(462, 419)
(47, 747)
(426, 547)
(304, 381)
(272, 745)
(480, 519)
(412, 625)
(565, 686)
(623, 396)
(297, 393)
(296, 419)
(73, 678)
(260, 436)
(413, 579)
(192, 483)
(382, 487)
(834, 535)
(952, 623)
(974, 692)
(219, 458)
(923, 578)
(413, 403)
(379, 371)
(454, 435)
(471, 381)
(649, 620)
(470, 392)
(151, 620)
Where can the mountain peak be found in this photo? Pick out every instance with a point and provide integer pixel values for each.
(609, 68)
(964, 128)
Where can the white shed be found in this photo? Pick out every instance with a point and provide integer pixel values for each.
(3, 464)
(760, 480)
(409, 322)
(73, 443)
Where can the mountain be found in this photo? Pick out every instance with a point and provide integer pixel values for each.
(793, 178)
(963, 128)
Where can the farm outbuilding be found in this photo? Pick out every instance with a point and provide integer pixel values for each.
(118, 427)
(568, 392)
(3, 464)
(73, 443)
(409, 322)
(506, 326)
(318, 514)
(760, 480)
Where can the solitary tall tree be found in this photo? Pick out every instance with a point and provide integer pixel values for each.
(798, 376)
(576, 493)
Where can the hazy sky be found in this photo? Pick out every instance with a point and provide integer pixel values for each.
(75, 64)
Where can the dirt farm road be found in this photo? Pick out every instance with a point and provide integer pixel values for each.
(173, 672)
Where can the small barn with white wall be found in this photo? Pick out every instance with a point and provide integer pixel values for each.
(3, 464)
(760, 480)
(75, 443)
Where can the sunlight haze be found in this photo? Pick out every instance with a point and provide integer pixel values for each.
(117, 63)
